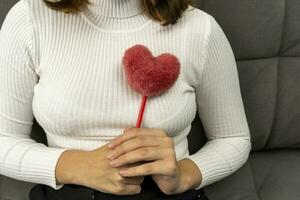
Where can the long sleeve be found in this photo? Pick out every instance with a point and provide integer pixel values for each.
(220, 108)
(21, 157)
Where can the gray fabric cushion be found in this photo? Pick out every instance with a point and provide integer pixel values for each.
(291, 33)
(258, 81)
(254, 27)
(265, 37)
(268, 175)
(11, 189)
(270, 90)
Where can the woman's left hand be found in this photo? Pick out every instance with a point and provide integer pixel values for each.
(155, 147)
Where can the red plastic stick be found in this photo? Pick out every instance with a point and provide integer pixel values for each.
(142, 108)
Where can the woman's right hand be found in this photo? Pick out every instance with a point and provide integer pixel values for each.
(92, 169)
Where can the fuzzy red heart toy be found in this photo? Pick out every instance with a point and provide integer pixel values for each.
(149, 75)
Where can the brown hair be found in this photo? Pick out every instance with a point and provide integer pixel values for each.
(164, 11)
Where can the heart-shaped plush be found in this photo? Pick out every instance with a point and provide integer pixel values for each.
(147, 74)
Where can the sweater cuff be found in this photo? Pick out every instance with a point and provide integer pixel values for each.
(208, 162)
(43, 168)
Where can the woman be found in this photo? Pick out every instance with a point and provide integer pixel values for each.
(61, 63)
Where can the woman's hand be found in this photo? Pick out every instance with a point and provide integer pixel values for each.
(92, 169)
(157, 148)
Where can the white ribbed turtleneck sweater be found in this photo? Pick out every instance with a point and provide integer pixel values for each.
(65, 70)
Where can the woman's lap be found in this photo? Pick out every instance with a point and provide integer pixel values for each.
(150, 191)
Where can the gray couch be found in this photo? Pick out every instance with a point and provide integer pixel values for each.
(265, 37)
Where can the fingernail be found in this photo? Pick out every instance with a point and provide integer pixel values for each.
(123, 172)
(113, 163)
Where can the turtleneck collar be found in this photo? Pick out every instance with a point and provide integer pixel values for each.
(115, 15)
(116, 8)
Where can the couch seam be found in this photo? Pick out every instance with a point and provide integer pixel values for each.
(283, 28)
(275, 106)
(265, 58)
(255, 186)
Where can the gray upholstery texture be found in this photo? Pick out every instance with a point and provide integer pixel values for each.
(265, 37)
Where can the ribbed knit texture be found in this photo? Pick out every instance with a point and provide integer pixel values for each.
(65, 70)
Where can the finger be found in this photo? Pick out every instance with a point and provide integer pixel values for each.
(134, 132)
(141, 154)
(157, 167)
(130, 145)
(123, 137)
(126, 129)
